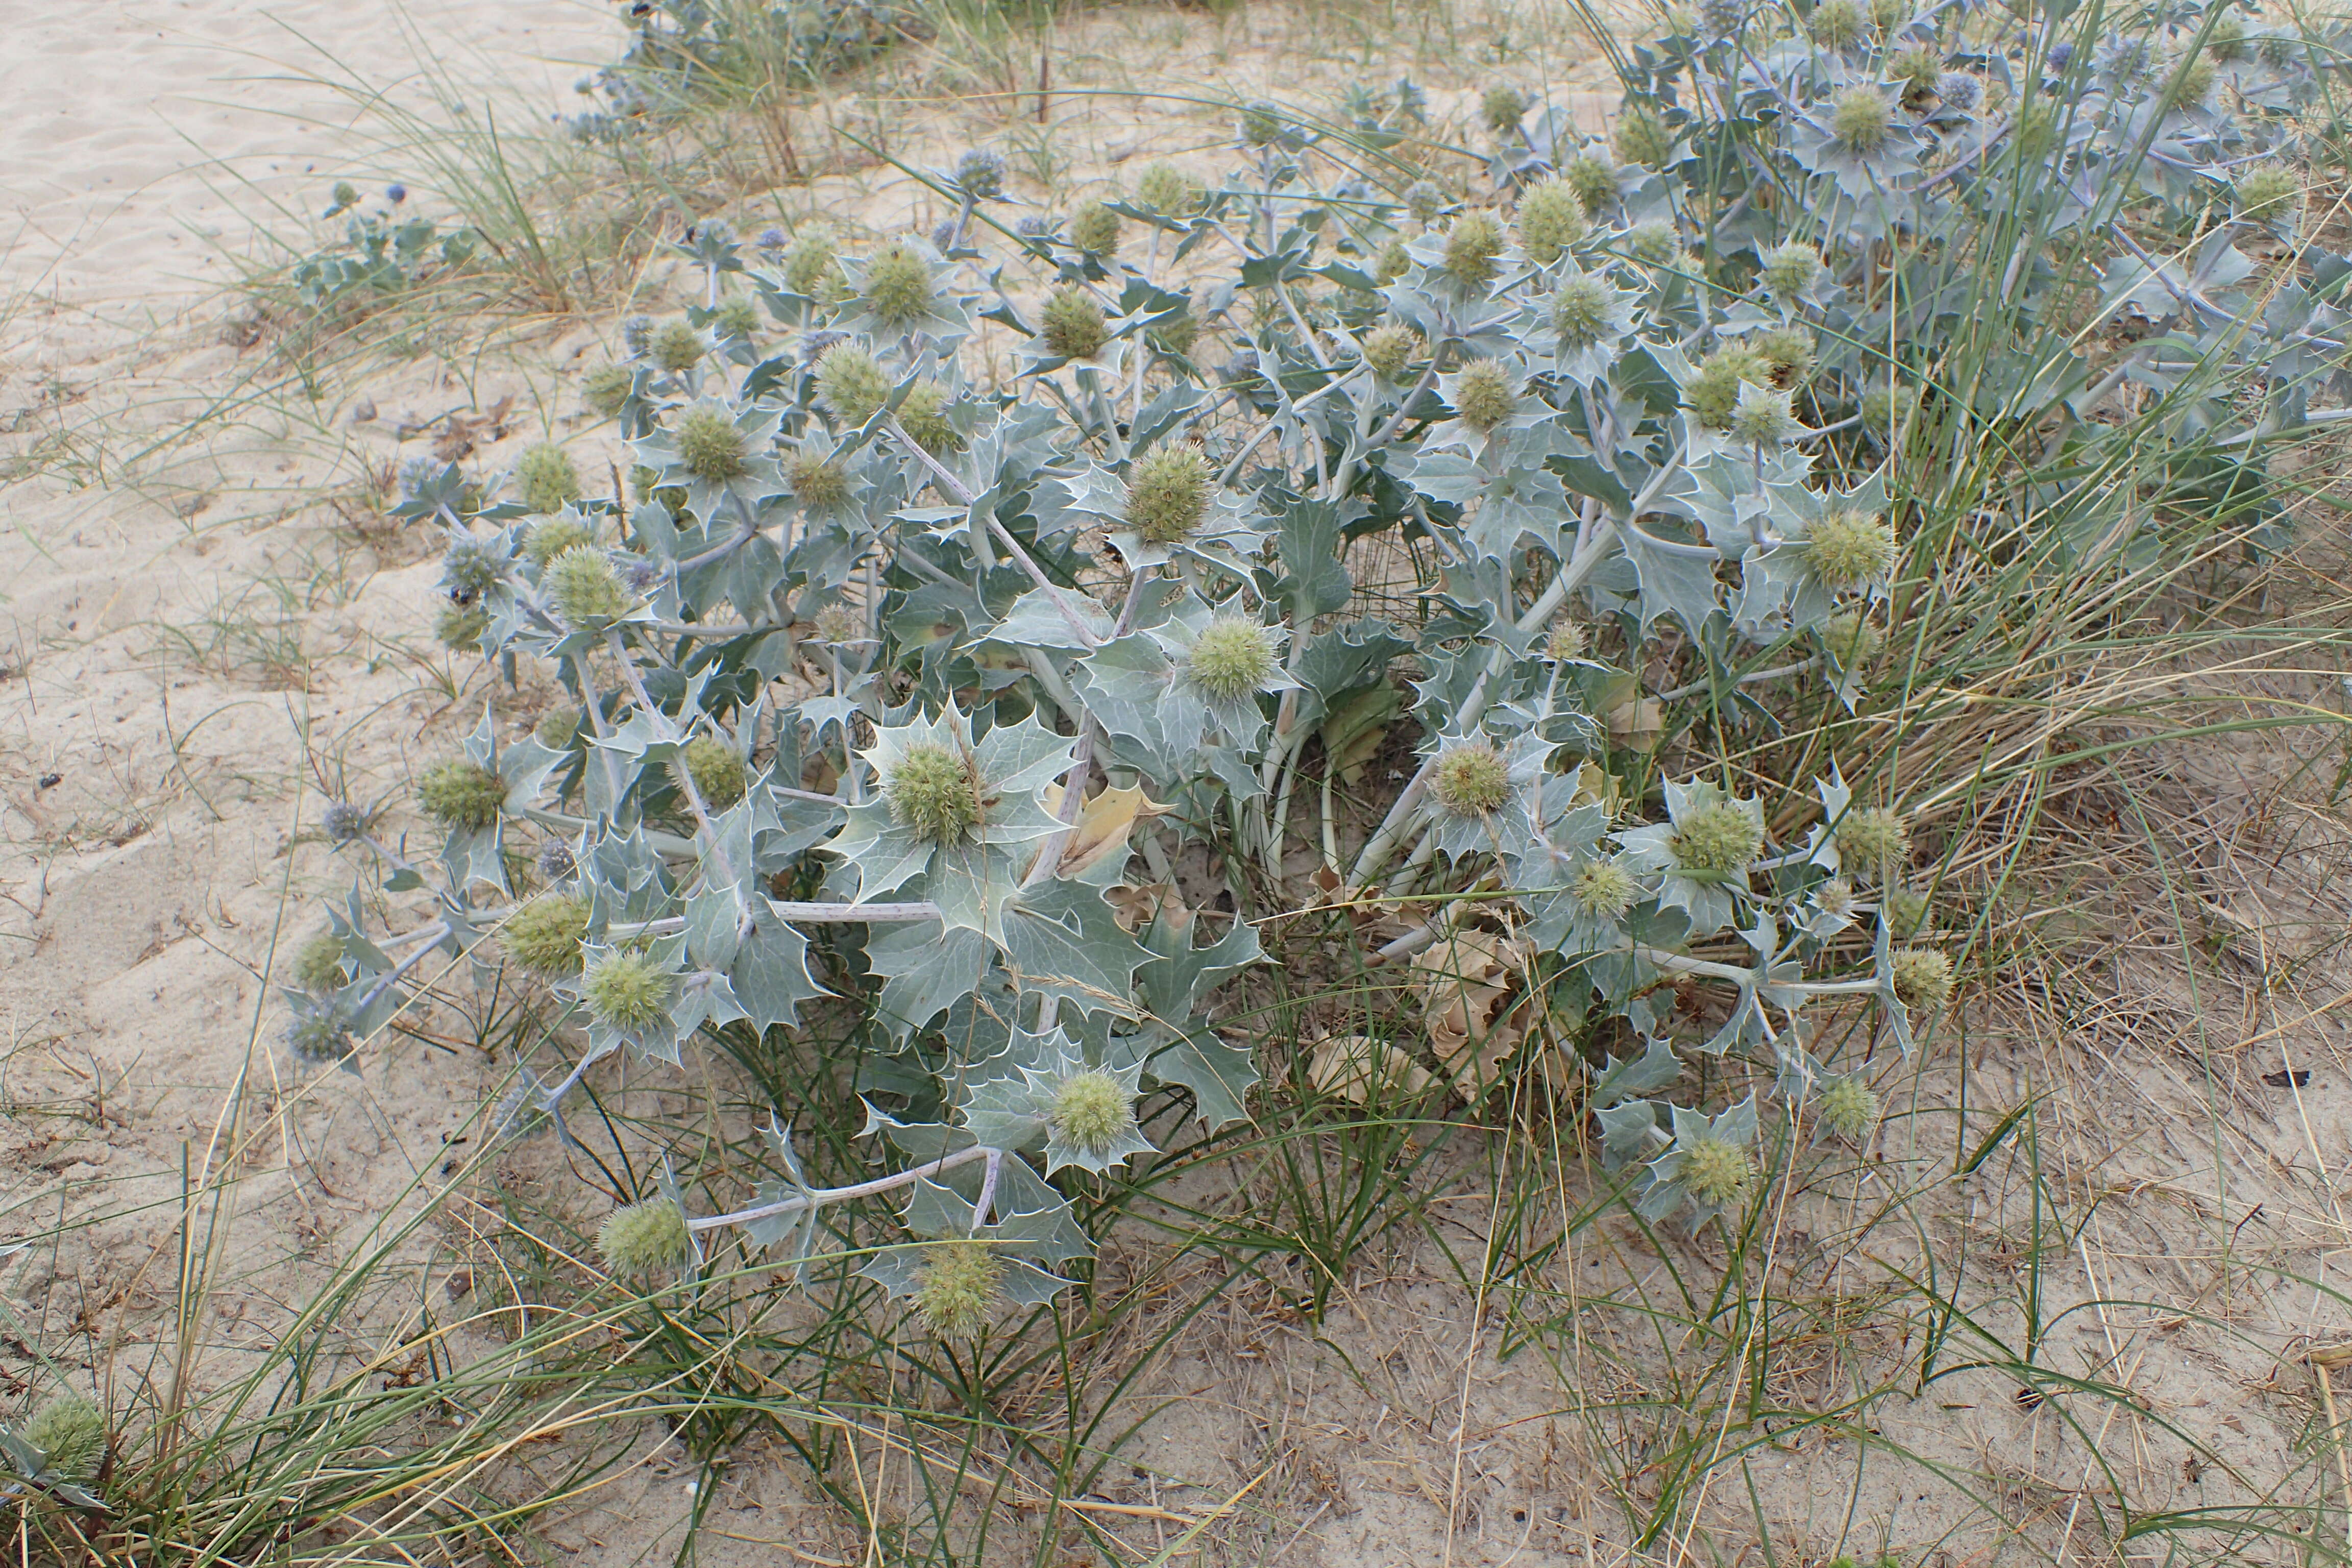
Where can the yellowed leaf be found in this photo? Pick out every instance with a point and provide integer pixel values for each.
(1355, 1066)
(1103, 825)
(1138, 905)
(1464, 983)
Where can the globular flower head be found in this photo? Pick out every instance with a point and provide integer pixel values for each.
(934, 793)
(1393, 263)
(1847, 1109)
(552, 536)
(586, 589)
(1167, 494)
(1261, 123)
(1424, 199)
(1960, 90)
(677, 346)
(1233, 660)
(70, 1433)
(319, 1034)
(545, 934)
(1503, 105)
(1837, 24)
(1714, 392)
(606, 388)
(716, 770)
(318, 963)
(2265, 191)
(1391, 351)
(1580, 311)
(1922, 978)
(1851, 547)
(1590, 175)
(1094, 229)
(835, 625)
(1764, 417)
(1656, 243)
(817, 482)
(809, 267)
(980, 175)
(627, 989)
(558, 727)
(712, 445)
(1835, 897)
(1643, 137)
(922, 413)
(459, 627)
(852, 383)
(1790, 269)
(1787, 354)
(1717, 838)
(637, 336)
(2227, 40)
(1074, 326)
(1861, 119)
(1717, 1172)
(547, 478)
(462, 794)
(959, 1288)
(2279, 49)
(1176, 336)
(1472, 247)
(1915, 65)
(471, 569)
(737, 317)
(1908, 911)
(555, 861)
(1486, 394)
(1165, 188)
(898, 289)
(342, 822)
(1568, 639)
(2193, 84)
(1852, 640)
(1093, 1111)
(1471, 779)
(1604, 889)
(1872, 839)
(650, 1237)
(1551, 219)
(1886, 409)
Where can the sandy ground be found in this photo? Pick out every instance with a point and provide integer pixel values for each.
(191, 657)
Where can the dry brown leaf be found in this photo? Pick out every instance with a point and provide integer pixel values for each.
(1637, 723)
(1465, 981)
(1103, 825)
(1138, 905)
(1352, 1066)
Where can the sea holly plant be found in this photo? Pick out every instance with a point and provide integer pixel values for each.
(977, 697)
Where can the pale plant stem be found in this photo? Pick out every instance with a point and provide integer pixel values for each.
(817, 1197)
(589, 701)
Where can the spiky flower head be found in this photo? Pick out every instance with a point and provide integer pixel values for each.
(552, 536)
(959, 1288)
(1472, 246)
(898, 289)
(1551, 219)
(606, 388)
(547, 478)
(1074, 326)
(1590, 175)
(2128, 60)
(1788, 355)
(1717, 838)
(1717, 1172)
(1765, 417)
(737, 317)
(462, 794)
(1471, 779)
(70, 1433)
(1391, 351)
(711, 445)
(2193, 82)
(1873, 840)
(1233, 660)
(1167, 494)
(1837, 24)
(817, 482)
(586, 589)
(1847, 1109)
(1503, 105)
(1835, 897)
(1604, 889)
(1643, 137)
(555, 861)
(980, 175)
(2279, 49)
(558, 727)
(808, 266)
(1886, 409)
(852, 383)
(471, 569)
(2037, 130)
(319, 1034)
(1486, 394)
(1908, 911)
(342, 822)
(2227, 40)
(545, 934)
(1568, 638)
(1960, 90)
(1886, 16)
(2266, 190)
(1165, 188)
(627, 989)
(1176, 336)
(1861, 119)
(922, 413)
(716, 770)
(459, 627)
(934, 793)
(1851, 547)
(650, 1237)
(1424, 199)
(678, 347)
(318, 963)
(1922, 978)
(835, 625)
(1790, 269)
(1852, 640)
(1094, 229)
(1093, 1111)
(1261, 123)
(1393, 263)
(1580, 310)
(637, 336)
(1712, 393)
(1655, 243)
(1915, 65)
